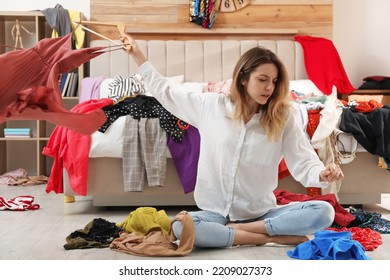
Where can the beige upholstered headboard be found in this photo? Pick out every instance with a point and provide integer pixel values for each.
(198, 61)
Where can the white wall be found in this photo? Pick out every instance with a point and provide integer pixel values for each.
(28, 5)
(361, 30)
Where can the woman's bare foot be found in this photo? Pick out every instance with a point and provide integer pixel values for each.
(242, 237)
(288, 239)
(255, 227)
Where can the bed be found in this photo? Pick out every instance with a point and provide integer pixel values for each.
(198, 64)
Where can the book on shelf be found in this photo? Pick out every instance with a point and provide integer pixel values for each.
(74, 86)
(70, 86)
(62, 81)
(18, 135)
(66, 84)
(17, 129)
(17, 132)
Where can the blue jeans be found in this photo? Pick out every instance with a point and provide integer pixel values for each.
(300, 218)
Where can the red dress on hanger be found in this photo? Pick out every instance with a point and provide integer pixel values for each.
(29, 87)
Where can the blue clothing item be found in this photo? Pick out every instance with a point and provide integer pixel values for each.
(300, 218)
(330, 245)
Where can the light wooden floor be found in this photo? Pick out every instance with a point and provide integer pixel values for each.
(40, 234)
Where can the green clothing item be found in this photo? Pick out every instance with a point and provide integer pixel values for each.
(322, 99)
(144, 220)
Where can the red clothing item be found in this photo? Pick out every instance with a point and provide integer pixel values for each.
(314, 117)
(370, 239)
(323, 65)
(314, 120)
(70, 150)
(342, 216)
(29, 88)
(283, 170)
(368, 106)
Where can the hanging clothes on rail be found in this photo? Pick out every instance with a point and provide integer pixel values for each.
(30, 84)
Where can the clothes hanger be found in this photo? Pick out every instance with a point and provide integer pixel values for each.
(121, 26)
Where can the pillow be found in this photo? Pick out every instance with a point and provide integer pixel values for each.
(109, 143)
(104, 87)
(219, 86)
(378, 79)
(306, 87)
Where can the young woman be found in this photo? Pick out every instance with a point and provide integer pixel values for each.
(243, 139)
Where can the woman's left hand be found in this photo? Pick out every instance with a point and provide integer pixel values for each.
(132, 48)
(331, 173)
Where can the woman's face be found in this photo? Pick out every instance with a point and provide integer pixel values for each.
(261, 83)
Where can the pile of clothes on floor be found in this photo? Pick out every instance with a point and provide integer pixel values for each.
(19, 177)
(353, 232)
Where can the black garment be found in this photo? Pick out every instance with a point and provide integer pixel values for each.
(371, 220)
(99, 233)
(371, 130)
(376, 82)
(142, 106)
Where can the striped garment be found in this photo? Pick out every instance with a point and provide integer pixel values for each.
(19, 203)
(123, 87)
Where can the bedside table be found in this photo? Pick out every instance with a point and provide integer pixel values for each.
(384, 93)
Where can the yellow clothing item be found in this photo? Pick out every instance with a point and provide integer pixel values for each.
(156, 243)
(79, 33)
(144, 220)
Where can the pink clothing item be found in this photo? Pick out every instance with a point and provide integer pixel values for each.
(70, 150)
(12, 177)
(323, 65)
(222, 87)
(29, 87)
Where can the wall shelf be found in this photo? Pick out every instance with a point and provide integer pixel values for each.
(192, 31)
(195, 29)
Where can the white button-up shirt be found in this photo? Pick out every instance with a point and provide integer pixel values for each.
(238, 165)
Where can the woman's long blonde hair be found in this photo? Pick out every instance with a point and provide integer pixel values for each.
(275, 111)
